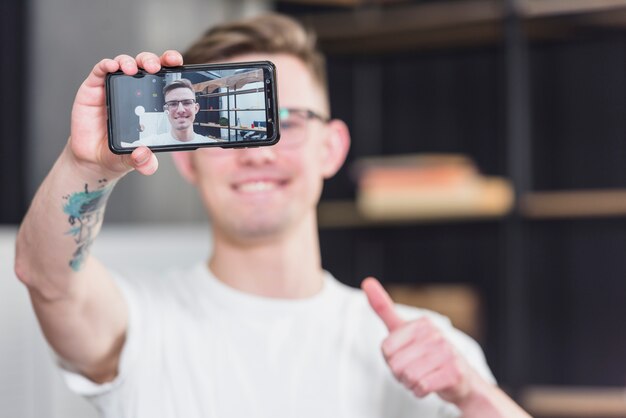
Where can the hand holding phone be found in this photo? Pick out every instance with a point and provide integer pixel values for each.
(88, 144)
(183, 108)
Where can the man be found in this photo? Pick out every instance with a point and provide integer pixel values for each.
(181, 110)
(260, 329)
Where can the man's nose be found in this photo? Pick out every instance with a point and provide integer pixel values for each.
(180, 108)
(256, 155)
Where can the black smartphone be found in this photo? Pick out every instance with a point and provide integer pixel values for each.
(187, 107)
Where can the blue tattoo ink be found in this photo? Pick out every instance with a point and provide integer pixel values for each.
(85, 210)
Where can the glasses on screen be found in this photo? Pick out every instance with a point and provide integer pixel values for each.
(173, 104)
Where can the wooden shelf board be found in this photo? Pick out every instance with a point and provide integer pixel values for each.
(557, 401)
(535, 205)
(235, 81)
(574, 204)
(450, 23)
(544, 8)
(404, 26)
(337, 3)
(345, 214)
(236, 128)
(528, 7)
(233, 110)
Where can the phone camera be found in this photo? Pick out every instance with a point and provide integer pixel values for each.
(267, 81)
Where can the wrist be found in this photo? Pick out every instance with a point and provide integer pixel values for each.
(487, 400)
(477, 398)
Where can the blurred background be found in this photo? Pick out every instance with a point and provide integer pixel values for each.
(486, 179)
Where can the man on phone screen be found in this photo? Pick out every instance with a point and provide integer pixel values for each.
(259, 329)
(181, 109)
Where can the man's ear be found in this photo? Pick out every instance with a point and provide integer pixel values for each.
(185, 165)
(337, 147)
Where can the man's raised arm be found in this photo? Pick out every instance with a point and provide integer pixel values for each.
(80, 310)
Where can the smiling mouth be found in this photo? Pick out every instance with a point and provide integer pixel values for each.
(259, 186)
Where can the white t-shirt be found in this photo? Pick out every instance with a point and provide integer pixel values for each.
(167, 139)
(198, 348)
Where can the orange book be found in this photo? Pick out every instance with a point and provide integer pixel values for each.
(403, 177)
(414, 170)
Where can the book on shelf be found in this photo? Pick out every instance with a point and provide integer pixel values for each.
(428, 186)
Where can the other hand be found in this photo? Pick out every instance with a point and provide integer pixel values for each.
(419, 355)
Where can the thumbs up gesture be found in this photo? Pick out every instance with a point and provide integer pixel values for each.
(425, 362)
(418, 354)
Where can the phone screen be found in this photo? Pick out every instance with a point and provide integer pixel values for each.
(226, 105)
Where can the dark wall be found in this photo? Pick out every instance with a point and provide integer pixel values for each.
(579, 111)
(12, 103)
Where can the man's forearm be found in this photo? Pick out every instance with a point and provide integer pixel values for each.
(64, 218)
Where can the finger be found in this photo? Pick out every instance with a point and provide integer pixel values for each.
(144, 161)
(437, 371)
(127, 64)
(445, 379)
(381, 303)
(171, 58)
(448, 382)
(99, 72)
(149, 62)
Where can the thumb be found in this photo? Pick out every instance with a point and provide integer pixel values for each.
(381, 302)
(142, 159)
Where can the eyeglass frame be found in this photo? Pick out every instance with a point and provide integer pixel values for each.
(309, 114)
(168, 105)
(305, 113)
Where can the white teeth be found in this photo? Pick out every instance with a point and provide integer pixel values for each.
(257, 186)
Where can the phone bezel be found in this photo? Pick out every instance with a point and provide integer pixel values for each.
(271, 97)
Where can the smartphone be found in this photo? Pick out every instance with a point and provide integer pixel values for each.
(184, 108)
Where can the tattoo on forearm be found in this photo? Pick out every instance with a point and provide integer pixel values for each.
(85, 211)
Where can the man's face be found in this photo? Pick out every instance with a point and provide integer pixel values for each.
(266, 191)
(181, 117)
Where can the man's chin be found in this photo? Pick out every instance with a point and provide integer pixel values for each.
(257, 230)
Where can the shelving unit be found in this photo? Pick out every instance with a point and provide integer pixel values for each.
(550, 74)
(234, 85)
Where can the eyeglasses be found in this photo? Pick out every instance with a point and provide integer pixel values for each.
(293, 124)
(173, 104)
(291, 115)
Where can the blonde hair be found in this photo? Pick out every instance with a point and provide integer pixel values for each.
(268, 33)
